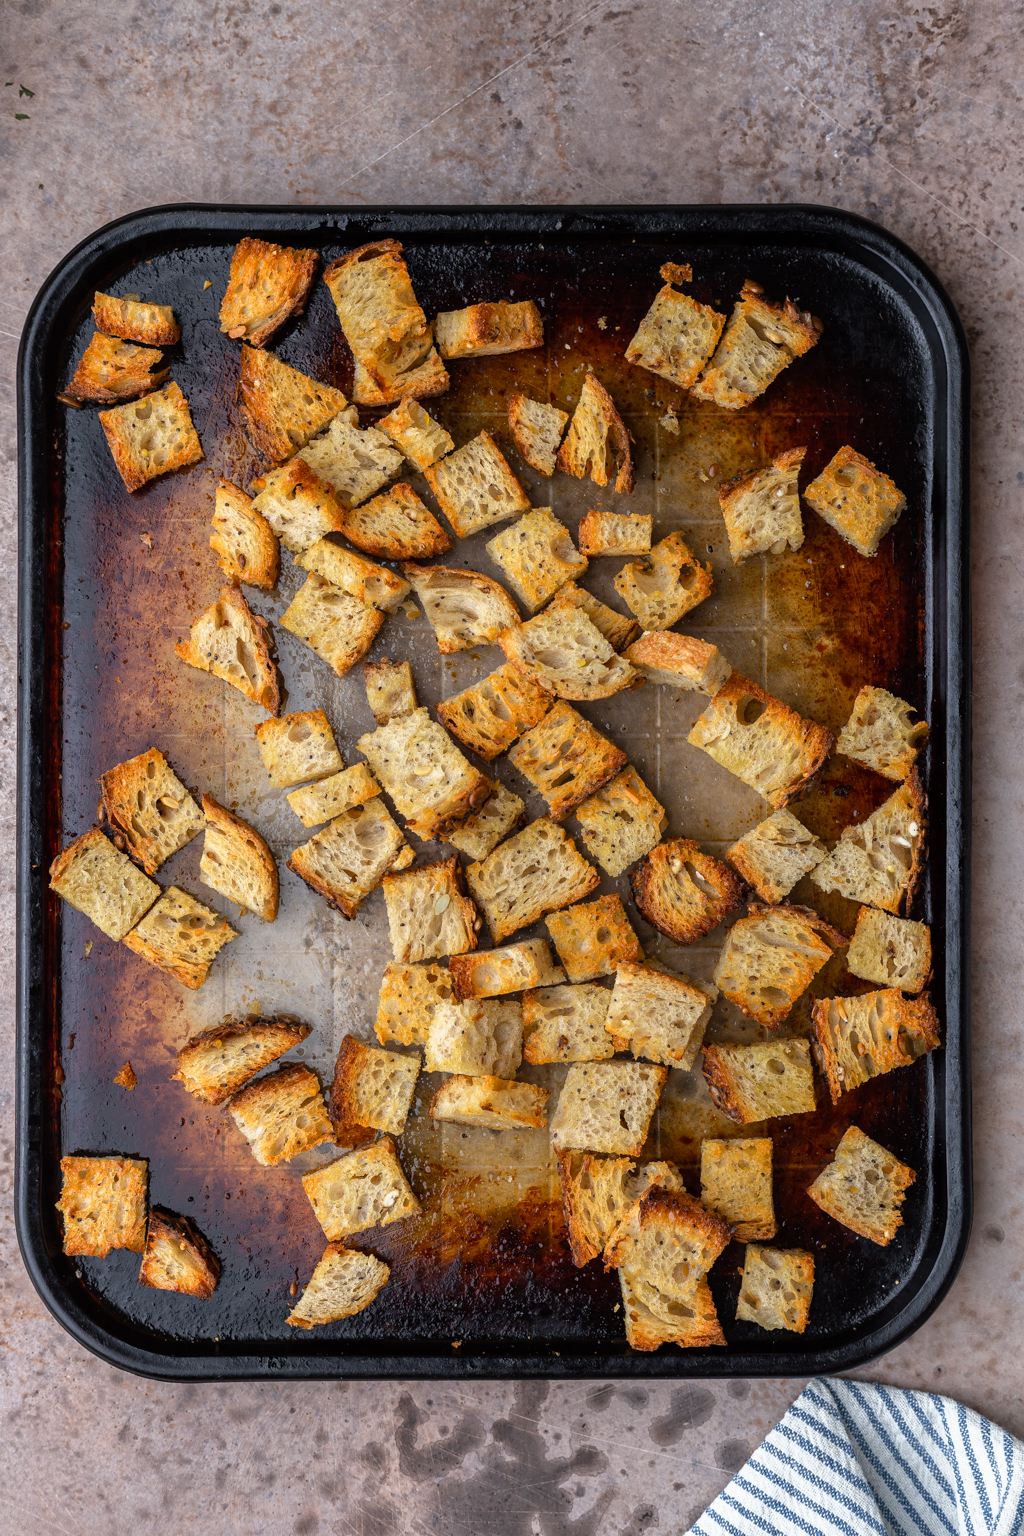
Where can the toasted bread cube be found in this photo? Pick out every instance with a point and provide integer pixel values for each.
(597, 443)
(103, 1203)
(349, 858)
(666, 1243)
(299, 506)
(295, 748)
(390, 690)
(536, 430)
(181, 936)
(427, 378)
(856, 499)
(359, 577)
(314, 804)
(606, 1106)
(683, 892)
(597, 1192)
(344, 1283)
(412, 429)
(680, 661)
(235, 644)
(283, 408)
(759, 341)
(354, 463)
(492, 1102)
(237, 863)
(565, 759)
(378, 310)
(537, 557)
(621, 822)
(616, 628)
(490, 715)
(433, 786)
(775, 1291)
(880, 861)
(396, 526)
(338, 627)
(475, 486)
(761, 740)
(864, 1187)
(615, 533)
(567, 1024)
(770, 958)
(858, 1038)
(776, 854)
(659, 1015)
(567, 654)
(365, 1188)
(465, 608)
(694, 1323)
(409, 999)
(503, 813)
(372, 1088)
(150, 807)
(677, 335)
(267, 284)
(428, 913)
(516, 968)
(217, 1062)
(151, 436)
(665, 586)
(487, 330)
(282, 1114)
(243, 541)
(892, 951)
(881, 734)
(536, 871)
(762, 510)
(100, 881)
(132, 319)
(113, 371)
(760, 1082)
(736, 1183)
(594, 938)
(178, 1257)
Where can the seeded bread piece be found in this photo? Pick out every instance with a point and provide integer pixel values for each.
(365, 1188)
(593, 939)
(235, 644)
(382, 320)
(621, 822)
(694, 1324)
(680, 661)
(151, 436)
(775, 1291)
(146, 802)
(537, 431)
(536, 871)
(299, 507)
(858, 1038)
(475, 486)
(283, 407)
(372, 1088)
(762, 510)
(665, 586)
(515, 968)
(267, 284)
(237, 863)
(282, 1114)
(492, 1102)
(243, 540)
(677, 335)
(567, 654)
(760, 1082)
(567, 1024)
(736, 1183)
(487, 330)
(880, 733)
(565, 759)
(433, 786)
(349, 858)
(892, 951)
(479, 834)
(776, 854)
(879, 862)
(666, 1243)
(103, 1203)
(100, 881)
(597, 443)
(178, 1257)
(390, 690)
(299, 747)
(396, 526)
(683, 892)
(409, 999)
(217, 1062)
(761, 740)
(659, 1015)
(491, 714)
(412, 429)
(759, 341)
(597, 1192)
(864, 1187)
(337, 626)
(856, 499)
(616, 628)
(354, 463)
(314, 804)
(427, 378)
(111, 371)
(344, 1283)
(770, 958)
(132, 319)
(465, 608)
(615, 533)
(428, 913)
(181, 936)
(354, 574)
(606, 1106)
(537, 557)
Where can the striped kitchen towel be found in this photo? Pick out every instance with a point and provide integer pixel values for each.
(853, 1459)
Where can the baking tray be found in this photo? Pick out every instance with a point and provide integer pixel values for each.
(482, 1285)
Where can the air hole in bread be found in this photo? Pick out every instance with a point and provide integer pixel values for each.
(749, 710)
(776, 1066)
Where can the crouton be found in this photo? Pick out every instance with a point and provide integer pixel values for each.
(151, 436)
(621, 822)
(537, 870)
(178, 1257)
(217, 1062)
(372, 1088)
(103, 1203)
(593, 939)
(759, 341)
(243, 540)
(354, 463)
(680, 661)
(283, 408)
(683, 892)
(492, 1102)
(666, 1243)
(665, 586)
(427, 378)
(657, 1014)
(491, 714)
(338, 627)
(775, 1291)
(879, 862)
(181, 936)
(881, 734)
(343, 1284)
(565, 759)
(235, 644)
(299, 507)
(132, 319)
(149, 806)
(428, 913)
(567, 1024)
(760, 1082)
(113, 371)
(616, 628)
(677, 335)
(237, 863)
(432, 784)
(770, 958)
(762, 510)
(858, 1038)
(864, 1187)
(359, 577)
(126, 1078)
(615, 533)
(314, 804)
(487, 330)
(349, 858)
(694, 1323)
(776, 854)
(567, 654)
(412, 429)
(282, 1114)
(296, 748)
(390, 690)
(736, 1183)
(761, 740)
(465, 608)
(479, 834)
(891, 951)
(409, 999)
(480, 1037)
(100, 881)
(536, 430)
(267, 284)
(856, 499)
(475, 486)
(597, 443)
(597, 1192)
(515, 968)
(537, 557)
(378, 310)
(363, 1189)
(606, 1106)
(396, 526)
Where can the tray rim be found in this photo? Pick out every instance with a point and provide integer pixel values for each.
(781, 224)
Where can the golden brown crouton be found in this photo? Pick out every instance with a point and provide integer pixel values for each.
(761, 740)
(178, 1257)
(354, 574)
(515, 968)
(537, 431)
(299, 747)
(495, 1103)
(879, 861)
(103, 1202)
(429, 914)
(243, 540)
(657, 1014)
(490, 715)
(299, 506)
(537, 557)
(409, 998)
(485, 829)
(890, 951)
(390, 690)
(266, 285)
(383, 323)
(621, 822)
(237, 863)
(856, 499)
(759, 341)
(283, 407)
(566, 759)
(677, 335)
(479, 1037)
(567, 654)
(111, 371)
(151, 436)
(337, 626)
(150, 808)
(349, 858)
(100, 881)
(372, 1088)
(736, 1183)
(465, 608)
(567, 1023)
(617, 629)
(597, 1192)
(282, 1114)
(683, 892)
(487, 330)
(881, 734)
(858, 1038)
(665, 586)
(475, 486)
(217, 1062)
(537, 870)
(324, 801)
(864, 1187)
(597, 442)
(666, 1243)
(760, 1082)
(679, 661)
(412, 429)
(134, 320)
(606, 1106)
(344, 1283)
(427, 378)
(433, 786)
(615, 533)
(762, 510)
(396, 526)
(182, 937)
(354, 463)
(363, 1189)
(594, 938)
(691, 1324)
(234, 644)
(770, 958)
(776, 854)
(775, 1291)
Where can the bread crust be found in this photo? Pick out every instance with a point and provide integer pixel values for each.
(111, 371)
(673, 900)
(597, 440)
(565, 759)
(178, 1257)
(243, 541)
(152, 436)
(856, 499)
(282, 1114)
(680, 661)
(312, 861)
(83, 875)
(253, 632)
(143, 798)
(181, 936)
(615, 533)
(860, 1038)
(489, 330)
(217, 1062)
(237, 862)
(666, 585)
(267, 284)
(283, 408)
(133, 320)
(760, 340)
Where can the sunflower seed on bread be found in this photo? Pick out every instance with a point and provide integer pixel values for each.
(864, 1187)
(237, 863)
(267, 284)
(149, 806)
(858, 1038)
(343, 1284)
(217, 1062)
(760, 1082)
(349, 858)
(760, 340)
(776, 854)
(242, 539)
(178, 1257)
(103, 1203)
(181, 936)
(665, 585)
(495, 1103)
(761, 740)
(736, 1183)
(151, 436)
(684, 892)
(365, 1188)
(236, 645)
(677, 335)
(465, 608)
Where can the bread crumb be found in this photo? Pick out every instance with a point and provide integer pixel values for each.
(88, 948)
(126, 1077)
(602, 323)
(147, 539)
(206, 285)
(410, 610)
(670, 421)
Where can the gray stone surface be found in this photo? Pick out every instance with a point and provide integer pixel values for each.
(908, 113)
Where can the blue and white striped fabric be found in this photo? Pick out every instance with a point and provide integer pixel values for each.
(854, 1459)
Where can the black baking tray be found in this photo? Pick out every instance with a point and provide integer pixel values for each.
(913, 346)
